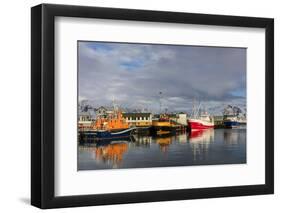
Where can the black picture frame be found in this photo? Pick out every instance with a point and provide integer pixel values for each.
(43, 102)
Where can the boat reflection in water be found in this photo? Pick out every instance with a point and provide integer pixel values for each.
(199, 147)
(164, 142)
(111, 151)
(142, 141)
(200, 141)
(181, 138)
(232, 138)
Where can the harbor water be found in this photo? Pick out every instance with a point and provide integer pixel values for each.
(202, 147)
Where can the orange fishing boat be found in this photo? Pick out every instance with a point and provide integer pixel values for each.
(112, 126)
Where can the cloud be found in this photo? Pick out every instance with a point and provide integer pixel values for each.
(134, 74)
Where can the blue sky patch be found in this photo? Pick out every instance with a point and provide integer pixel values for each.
(101, 47)
(133, 64)
(239, 93)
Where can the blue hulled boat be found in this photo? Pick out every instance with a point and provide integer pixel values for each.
(231, 117)
(231, 124)
(105, 134)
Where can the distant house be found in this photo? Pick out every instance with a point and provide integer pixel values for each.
(101, 112)
(138, 119)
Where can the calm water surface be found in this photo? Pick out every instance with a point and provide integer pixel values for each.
(207, 147)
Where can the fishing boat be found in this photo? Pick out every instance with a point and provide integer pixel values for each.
(232, 117)
(200, 119)
(231, 121)
(163, 126)
(112, 126)
(202, 122)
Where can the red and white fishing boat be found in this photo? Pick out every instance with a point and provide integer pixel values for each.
(200, 120)
(203, 122)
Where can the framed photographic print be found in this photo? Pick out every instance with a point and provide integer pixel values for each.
(139, 106)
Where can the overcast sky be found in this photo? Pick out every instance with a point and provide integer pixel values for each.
(135, 74)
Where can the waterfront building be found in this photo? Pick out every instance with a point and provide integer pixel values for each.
(139, 119)
(179, 118)
(85, 120)
(219, 120)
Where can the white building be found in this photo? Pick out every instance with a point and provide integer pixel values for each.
(85, 120)
(180, 118)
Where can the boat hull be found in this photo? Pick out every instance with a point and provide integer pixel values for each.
(231, 124)
(119, 134)
(198, 124)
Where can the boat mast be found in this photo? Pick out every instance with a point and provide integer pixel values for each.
(198, 108)
(160, 102)
(114, 104)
